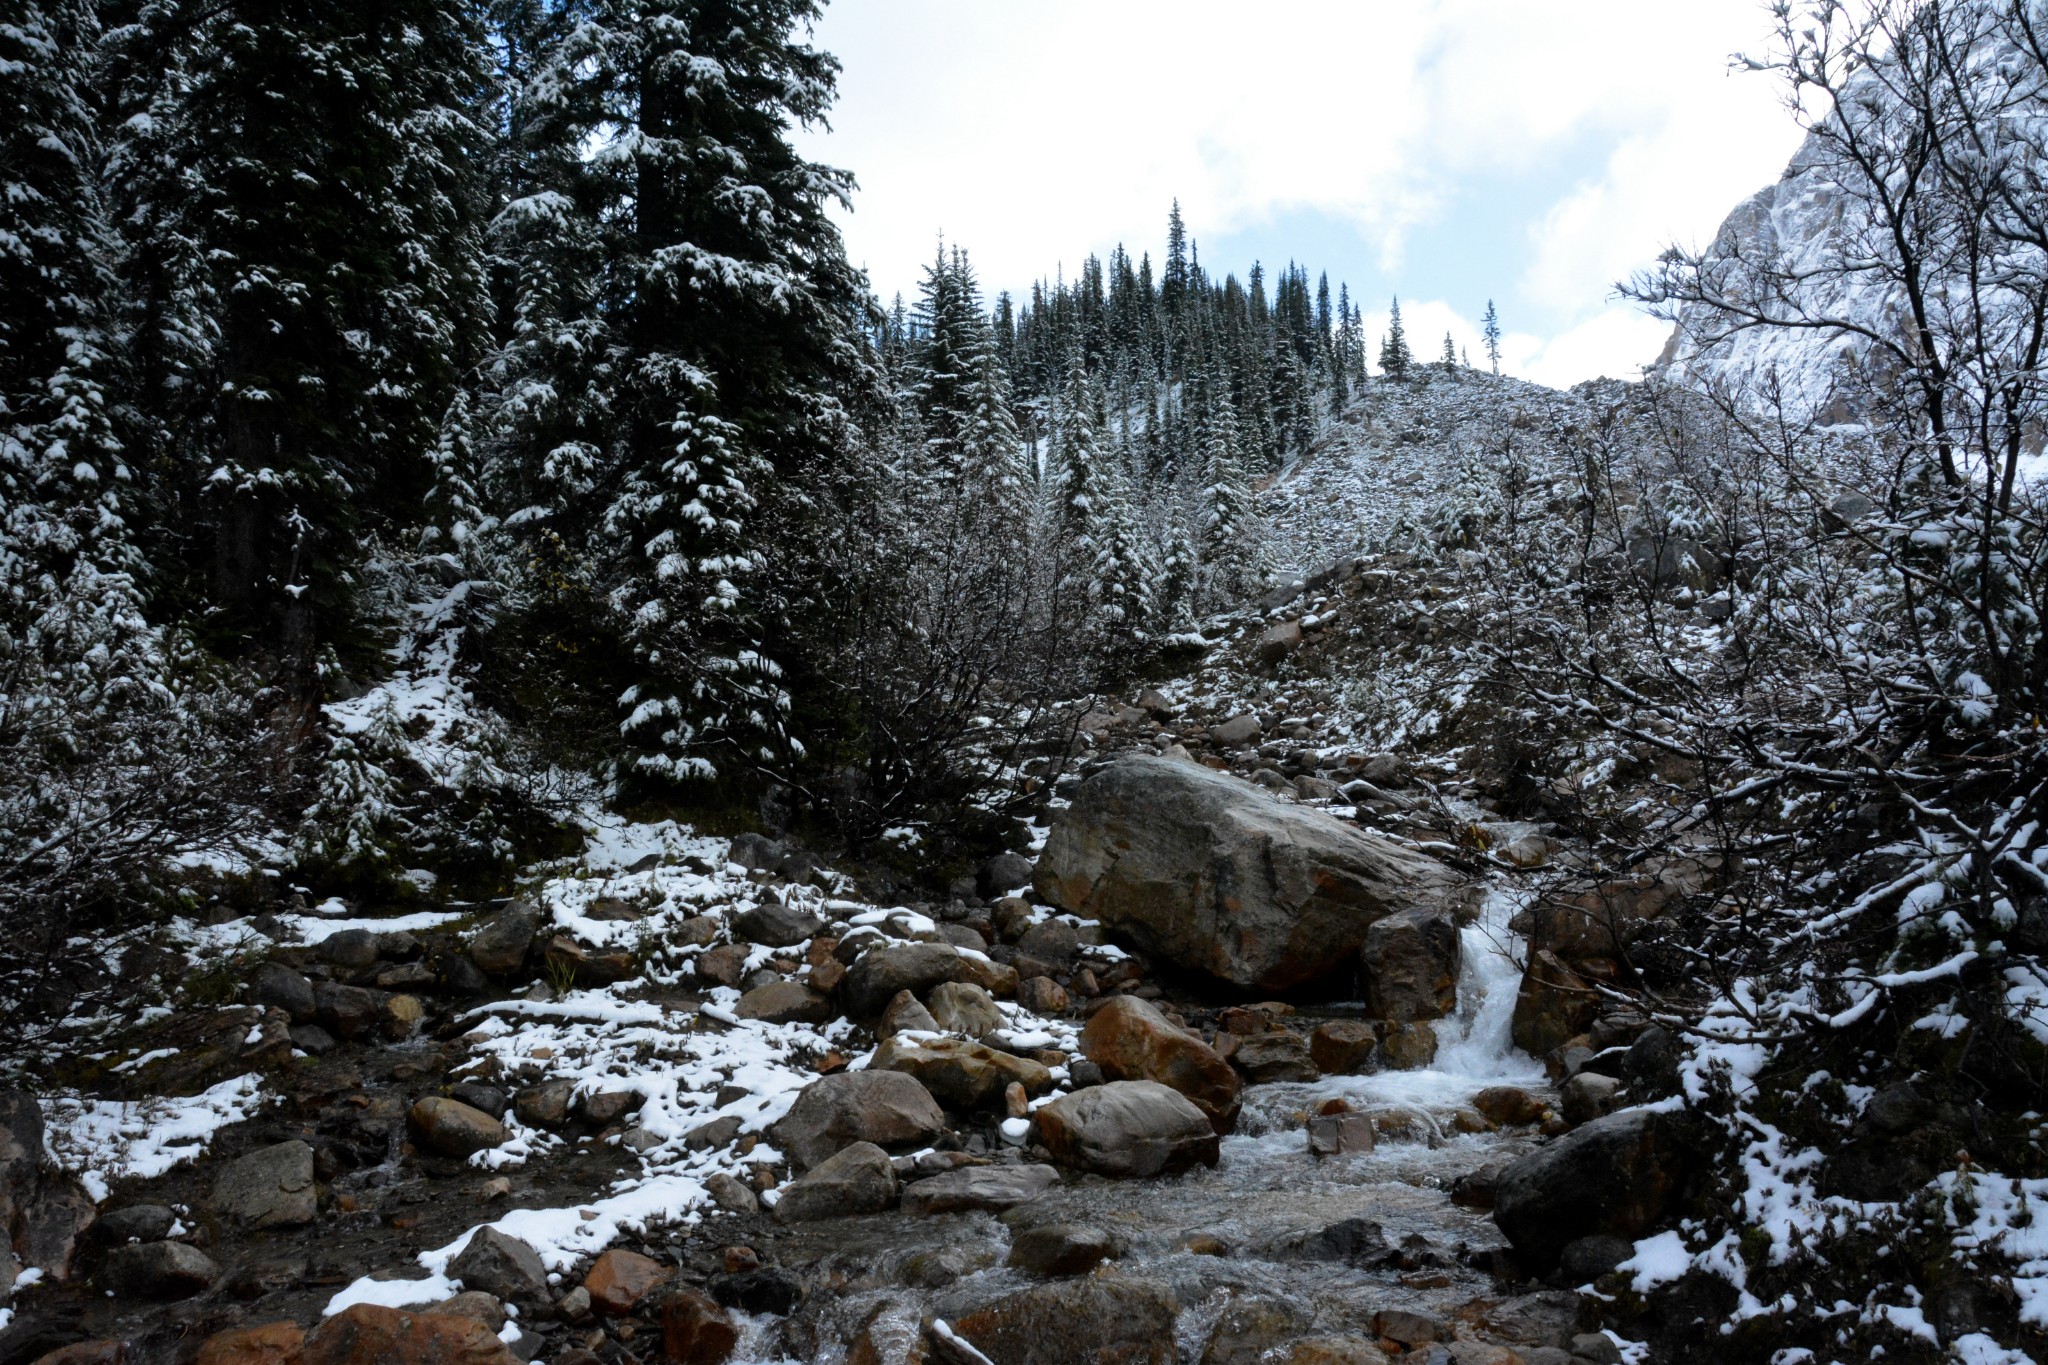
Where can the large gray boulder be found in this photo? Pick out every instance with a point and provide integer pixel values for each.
(1410, 964)
(1617, 1176)
(875, 977)
(887, 1108)
(986, 1188)
(1126, 1128)
(1222, 879)
(856, 1179)
(271, 1187)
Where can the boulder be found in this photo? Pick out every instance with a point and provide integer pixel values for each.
(271, 1187)
(350, 949)
(1616, 1176)
(1509, 1104)
(1408, 1046)
(1236, 732)
(1344, 1047)
(1410, 965)
(1002, 874)
(348, 1011)
(857, 1179)
(157, 1270)
(960, 1074)
(1339, 1134)
(545, 1105)
(500, 1264)
(1553, 1006)
(1042, 995)
(1279, 640)
(448, 1127)
(785, 1001)
(886, 1108)
(775, 925)
(1278, 1055)
(105, 1351)
(1128, 1321)
(273, 1343)
(588, 966)
(1220, 879)
(277, 986)
(620, 1279)
(499, 948)
(988, 1188)
(875, 977)
(695, 1330)
(1126, 1129)
(1252, 1329)
(964, 1008)
(366, 1334)
(1132, 1041)
(474, 1303)
(906, 1014)
(1587, 1096)
(1053, 1249)
(1335, 1351)
(44, 1215)
(136, 1223)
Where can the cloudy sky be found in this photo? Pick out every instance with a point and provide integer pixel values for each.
(1528, 151)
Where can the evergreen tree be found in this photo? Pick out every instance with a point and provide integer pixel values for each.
(1448, 361)
(1489, 328)
(1228, 535)
(1395, 356)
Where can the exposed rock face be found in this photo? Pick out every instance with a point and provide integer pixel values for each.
(1410, 964)
(858, 1179)
(959, 1074)
(1615, 1176)
(1221, 879)
(887, 1108)
(1132, 1041)
(269, 1188)
(1126, 1128)
(1554, 1004)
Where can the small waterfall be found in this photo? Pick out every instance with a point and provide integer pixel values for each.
(1477, 1040)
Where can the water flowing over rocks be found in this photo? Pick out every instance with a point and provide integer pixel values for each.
(1219, 879)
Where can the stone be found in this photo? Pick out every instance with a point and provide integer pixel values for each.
(731, 1193)
(1509, 1104)
(271, 1187)
(1548, 1317)
(695, 1330)
(349, 1011)
(1236, 732)
(477, 1095)
(588, 966)
(722, 965)
(1616, 1176)
(1589, 1258)
(768, 1289)
(277, 986)
(106, 1351)
(963, 1008)
(500, 1264)
(44, 1215)
(886, 1108)
(960, 1074)
(785, 1001)
(879, 973)
(978, 969)
(136, 1223)
(1334, 1351)
(620, 1279)
(1406, 1047)
(273, 1343)
(1344, 1047)
(1207, 873)
(1410, 965)
(545, 1105)
(1126, 1129)
(713, 1133)
(402, 1016)
(1553, 1006)
(988, 1188)
(857, 1179)
(1587, 1096)
(1339, 1134)
(313, 1040)
(351, 949)
(606, 1107)
(1408, 1329)
(905, 1014)
(775, 925)
(1251, 1327)
(1042, 995)
(366, 1334)
(1055, 941)
(1264, 1058)
(1002, 874)
(158, 1270)
(1279, 640)
(1132, 1041)
(1359, 1242)
(475, 1304)
(1128, 1321)
(448, 1127)
(1596, 1347)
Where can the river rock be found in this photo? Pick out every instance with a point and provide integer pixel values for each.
(500, 1264)
(1054, 1249)
(1101, 1318)
(1042, 995)
(451, 1128)
(620, 1279)
(1132, 1041)
(1616, 1176)
(279, 987)
(875, 977)
(1587, 1096)
(695, 1330)
(988, 1188)
(474, 1303)
(1220, 879)
(857, 1179)
(271, 1187)
(158, 1270)
(1334, 1351)
(349, 1011)
(272, 1343)
(960, 1074)
(785, 1001)
(1252, 1328)
(775, 925)
(1339, 1134)
(350, 949)
(1404, 1047)
(1126, 1129)
(1553, 1006)
(1263, 1058)
(1509, 1104)
(905, 1014)
(499, 948)
(1410, 964)
(545, 1105)
(964, 1008)
(886, 1108)
(1344, 1047)
(136, 1223)
(1236, 732)
(1002, 874)
(366, 1334)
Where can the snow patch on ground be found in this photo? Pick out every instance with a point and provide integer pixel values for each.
(103, 1141)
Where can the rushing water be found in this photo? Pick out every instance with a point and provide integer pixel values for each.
(1265, 1194)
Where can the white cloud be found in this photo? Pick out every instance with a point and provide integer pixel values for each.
(1036, 133)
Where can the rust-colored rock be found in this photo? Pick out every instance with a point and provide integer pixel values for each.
(1132, 1041)
(695, 1330)
(1344, 1047)
(451, 1128)
(86, 1353)
(274, 1343)
(621, 1279)
(366, 1334)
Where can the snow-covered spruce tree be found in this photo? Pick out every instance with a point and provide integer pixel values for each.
(1395, 357)
(1489, 332)
(1229, 541)
(1093, 517)
(676, 405)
